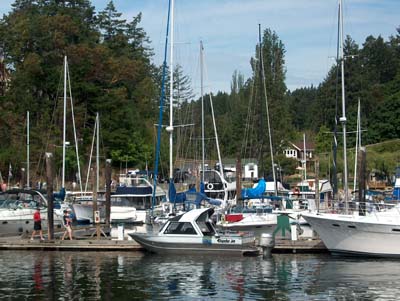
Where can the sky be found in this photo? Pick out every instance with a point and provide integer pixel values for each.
(229, 31)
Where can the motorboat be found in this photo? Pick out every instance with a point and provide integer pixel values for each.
(194, 233)
(132, 200)
(258, 219)
(17, 209)
(377, 234)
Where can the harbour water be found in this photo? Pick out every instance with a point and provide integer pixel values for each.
(38, 275)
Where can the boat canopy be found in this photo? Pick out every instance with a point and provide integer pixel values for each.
(255, 192)
(194, 214)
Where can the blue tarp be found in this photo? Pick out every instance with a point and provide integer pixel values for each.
(396, 194)
(256, 192)
(175, 197)
(190, 196)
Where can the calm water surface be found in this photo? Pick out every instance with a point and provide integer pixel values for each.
(35, 275)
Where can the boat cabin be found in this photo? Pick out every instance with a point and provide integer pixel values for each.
(194, 222)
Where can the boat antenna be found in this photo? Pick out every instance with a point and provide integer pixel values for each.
(160, 115)
(266, 105)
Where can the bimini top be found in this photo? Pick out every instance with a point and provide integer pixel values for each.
(193, 215)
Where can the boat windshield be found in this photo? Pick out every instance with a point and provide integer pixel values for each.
(205, 224)
(180, 228)
(137, 202)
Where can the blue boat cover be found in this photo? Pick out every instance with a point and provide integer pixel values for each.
(175, 197)
(396, 194)
(256, 192)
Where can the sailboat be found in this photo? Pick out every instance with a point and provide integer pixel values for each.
(258, 218)
(376, 234)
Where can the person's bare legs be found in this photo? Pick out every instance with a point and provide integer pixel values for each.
(41, 235)
(33, 234)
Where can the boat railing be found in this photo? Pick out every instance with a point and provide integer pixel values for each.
(242, 234)
(338, 207)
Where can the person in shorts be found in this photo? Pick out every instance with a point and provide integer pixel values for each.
(67, 222)
(37, 224)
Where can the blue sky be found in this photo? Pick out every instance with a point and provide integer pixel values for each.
(229, 30)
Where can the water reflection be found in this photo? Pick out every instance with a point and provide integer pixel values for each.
(136, 276)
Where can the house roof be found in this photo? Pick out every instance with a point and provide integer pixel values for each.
(299, 145)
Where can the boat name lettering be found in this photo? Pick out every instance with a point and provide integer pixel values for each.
(225, 240)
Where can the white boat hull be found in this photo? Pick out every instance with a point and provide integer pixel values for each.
(371, 235)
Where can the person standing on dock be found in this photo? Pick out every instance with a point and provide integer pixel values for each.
(37, 224)
(67, 222)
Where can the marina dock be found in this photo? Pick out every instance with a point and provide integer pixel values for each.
(68, 245)
(304, 246)
(310, 246)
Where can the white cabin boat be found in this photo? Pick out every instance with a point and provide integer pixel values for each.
(17, 209)
(376, 234)
(194, 233)
(132, 201)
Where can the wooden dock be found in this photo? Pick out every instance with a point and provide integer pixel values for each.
(71, 245)
(299, 246)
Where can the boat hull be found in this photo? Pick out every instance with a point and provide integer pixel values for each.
(346, 235)
(198, 246)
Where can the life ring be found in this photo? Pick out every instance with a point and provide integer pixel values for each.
(210, 186)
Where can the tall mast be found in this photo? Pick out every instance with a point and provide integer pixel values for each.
(27, 149)
(64, 122)
(304, 157)
(202, 111)
(160, 113)
(343, 118)
(266, 105)
(97, 151)
(170, 128)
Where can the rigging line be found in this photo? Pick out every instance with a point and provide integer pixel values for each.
(246, 135)
(212, 114)
(46, 146)
(268, 121)
(74, 127)
(91, 154)
(161, 110)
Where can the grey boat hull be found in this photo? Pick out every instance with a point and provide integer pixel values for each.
(154, 246)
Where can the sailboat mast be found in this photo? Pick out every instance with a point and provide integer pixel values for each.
(64, 122)
(304, 157)
(27, 149)
(202, 112)
(97, 151)
(267, 111)
(170, 128)
(160, 113)
(343, 118)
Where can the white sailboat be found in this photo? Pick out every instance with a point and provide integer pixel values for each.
(377, 234)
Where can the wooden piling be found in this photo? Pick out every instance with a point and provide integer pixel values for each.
(50, 196)
(239, 181)
(362, 157)
(317, 198)
(108, 191)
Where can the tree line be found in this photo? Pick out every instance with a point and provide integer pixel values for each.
(112, 72)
